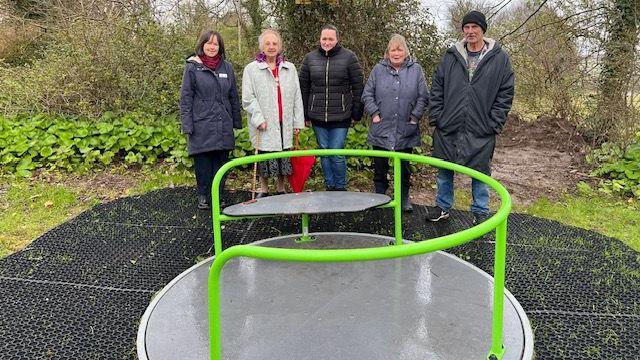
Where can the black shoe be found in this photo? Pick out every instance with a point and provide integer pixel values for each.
(436, 213)
(480, 217)
(330, 188)
(261, 195)
(279, 193)
(406, 202)
(406, 206)
(203, 204)
(339, 189)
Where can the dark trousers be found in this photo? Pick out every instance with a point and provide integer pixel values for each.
(381, 168)
(206, 165)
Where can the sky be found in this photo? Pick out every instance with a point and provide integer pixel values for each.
(439, 9)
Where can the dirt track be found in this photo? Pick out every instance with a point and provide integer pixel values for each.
(544, 158)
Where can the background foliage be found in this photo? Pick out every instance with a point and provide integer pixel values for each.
(619, 167)
(29, 143)
(99, 79)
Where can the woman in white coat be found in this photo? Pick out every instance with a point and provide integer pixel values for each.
(271, 95)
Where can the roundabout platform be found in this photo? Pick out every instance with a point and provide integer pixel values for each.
(429, 306)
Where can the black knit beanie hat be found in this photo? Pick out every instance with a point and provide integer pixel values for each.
(475, 17)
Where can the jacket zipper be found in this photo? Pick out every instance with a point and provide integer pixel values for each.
(343, 103)
(326, 98)
(313, 99)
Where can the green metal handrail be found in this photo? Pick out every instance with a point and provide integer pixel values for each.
(498, 221)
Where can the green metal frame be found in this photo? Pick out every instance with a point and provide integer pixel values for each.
(497, 222)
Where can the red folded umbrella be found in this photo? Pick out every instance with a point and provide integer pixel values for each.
(300, 170)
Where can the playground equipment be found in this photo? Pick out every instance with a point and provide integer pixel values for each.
(338, 295)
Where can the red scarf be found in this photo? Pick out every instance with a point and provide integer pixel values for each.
(210, 62)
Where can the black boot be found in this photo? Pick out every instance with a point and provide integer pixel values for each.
(380, 187)
(203, 204)
(406, 203)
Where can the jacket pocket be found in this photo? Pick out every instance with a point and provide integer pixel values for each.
(376, 130)
(410, 129)
(342, 101)
(313, 99)
(201, 110)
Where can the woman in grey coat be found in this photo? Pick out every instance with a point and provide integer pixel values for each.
(271, 95)
(395, 97)
(209, 110)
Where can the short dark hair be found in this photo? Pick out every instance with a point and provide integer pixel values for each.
(331, 27)
(204, 38)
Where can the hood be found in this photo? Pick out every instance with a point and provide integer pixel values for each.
(459, 47)
(194, 59)
(407, 62)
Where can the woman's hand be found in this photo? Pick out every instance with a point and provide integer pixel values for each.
(262, 126)
(296, 131)
(376, 119)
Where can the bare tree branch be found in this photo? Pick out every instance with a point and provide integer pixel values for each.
(507, 2)
(563, 20)
(529, 18)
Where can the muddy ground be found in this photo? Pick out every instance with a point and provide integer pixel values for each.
(543, 158)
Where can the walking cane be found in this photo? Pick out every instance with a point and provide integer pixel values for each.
(255, 171)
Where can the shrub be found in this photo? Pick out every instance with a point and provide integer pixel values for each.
(92, 66)
(619, 167)
(79, 144)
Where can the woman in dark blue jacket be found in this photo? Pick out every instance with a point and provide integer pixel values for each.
(210, 110)
(395, 97)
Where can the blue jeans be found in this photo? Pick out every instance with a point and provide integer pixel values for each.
(444, 197)
(334, 168)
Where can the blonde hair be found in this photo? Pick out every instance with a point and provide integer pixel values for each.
(270, 31)
(397, 39)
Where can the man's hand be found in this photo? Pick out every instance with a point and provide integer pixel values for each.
(262, 126)
(376, 119)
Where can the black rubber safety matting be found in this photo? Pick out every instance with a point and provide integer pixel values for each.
(78, 291)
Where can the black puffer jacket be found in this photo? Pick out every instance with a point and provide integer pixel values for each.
(209, 106)
(467, 115)
(331, 84)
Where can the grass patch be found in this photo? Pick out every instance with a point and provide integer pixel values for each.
(161, 177)
(30, 209)
(595, 211)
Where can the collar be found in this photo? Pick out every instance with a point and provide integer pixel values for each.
(460, 47)
(407, 62)
(331, 52)
(263, 65)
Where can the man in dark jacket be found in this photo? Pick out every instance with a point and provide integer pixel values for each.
(331, 82)
(471, 95)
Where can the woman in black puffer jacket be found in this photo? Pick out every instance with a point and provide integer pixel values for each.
(331, 81)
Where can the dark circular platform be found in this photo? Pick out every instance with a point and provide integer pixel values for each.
(431, 306)
(319, 202)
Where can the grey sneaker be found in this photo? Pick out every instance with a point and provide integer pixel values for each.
(436, 213)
